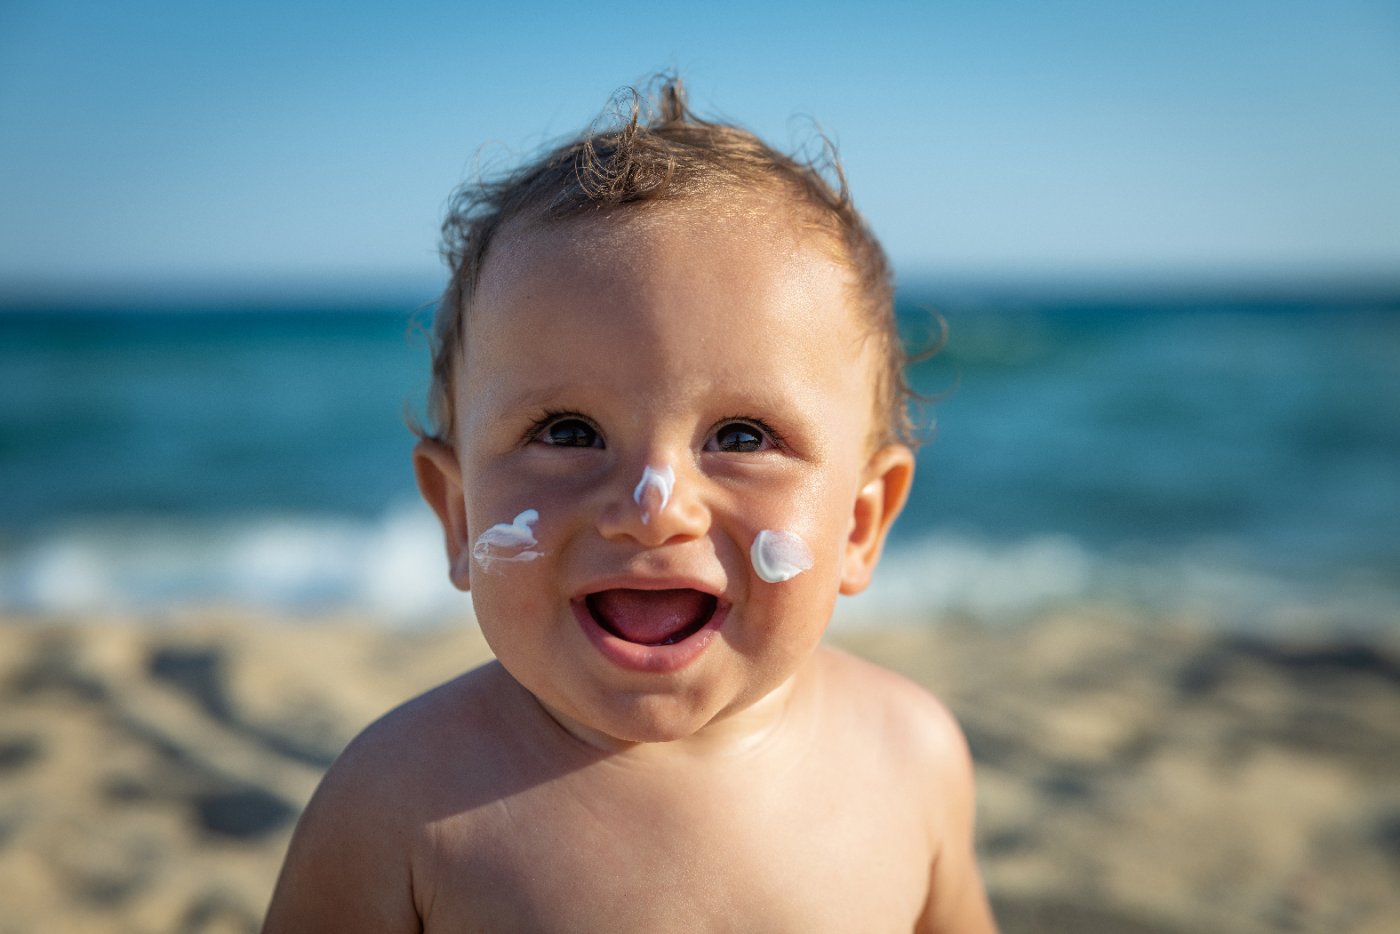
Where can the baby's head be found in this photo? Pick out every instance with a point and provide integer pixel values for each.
(663, 156)
(669, 415)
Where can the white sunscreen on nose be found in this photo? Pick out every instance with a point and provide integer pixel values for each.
(513, 541)
(654, 487)
(779, 556)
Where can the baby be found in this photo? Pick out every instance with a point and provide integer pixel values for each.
(670, 427)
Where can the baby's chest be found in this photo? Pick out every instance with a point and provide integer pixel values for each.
(718, 867)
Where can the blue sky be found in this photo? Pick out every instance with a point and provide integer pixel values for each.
(151, 144)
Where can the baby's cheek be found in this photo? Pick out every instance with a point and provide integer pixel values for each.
(507, 543)
(511, 597)
(779, 555)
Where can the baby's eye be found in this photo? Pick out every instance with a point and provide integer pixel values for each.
(569, 432)
(739, 438)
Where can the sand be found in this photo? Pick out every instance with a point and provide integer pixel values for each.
(1135, 775)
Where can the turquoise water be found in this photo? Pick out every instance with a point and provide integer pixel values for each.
(1237, 456)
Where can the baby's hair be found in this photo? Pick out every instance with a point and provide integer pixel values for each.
(660, 151)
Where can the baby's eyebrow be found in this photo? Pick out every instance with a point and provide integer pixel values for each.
(538, 397)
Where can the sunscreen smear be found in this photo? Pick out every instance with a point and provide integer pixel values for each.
(654, 487)
(512, 541)
(779, 556)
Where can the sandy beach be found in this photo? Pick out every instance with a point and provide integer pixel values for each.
(1135, 775)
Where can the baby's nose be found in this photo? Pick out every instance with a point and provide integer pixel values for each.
(661, 504)
(652, 493)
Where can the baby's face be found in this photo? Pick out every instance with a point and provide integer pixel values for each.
(641, 399)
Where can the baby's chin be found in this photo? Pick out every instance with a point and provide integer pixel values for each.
(738, 714)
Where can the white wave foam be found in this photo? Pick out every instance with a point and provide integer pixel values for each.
(951, 575)
(393, 567)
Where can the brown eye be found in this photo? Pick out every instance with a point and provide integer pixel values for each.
(738, 438)
(570, 433)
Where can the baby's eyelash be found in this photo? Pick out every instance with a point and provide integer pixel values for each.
(772, 433)
(548, 417)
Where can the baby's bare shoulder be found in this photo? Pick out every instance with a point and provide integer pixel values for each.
(895, 711)
(350, 864)
(922, 747)
(437, 725)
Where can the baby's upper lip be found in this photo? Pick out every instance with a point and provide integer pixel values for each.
(649, 582)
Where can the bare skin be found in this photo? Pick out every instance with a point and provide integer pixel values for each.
(471, 809)
(605, 774)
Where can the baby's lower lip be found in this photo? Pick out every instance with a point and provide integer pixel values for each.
(671, 655)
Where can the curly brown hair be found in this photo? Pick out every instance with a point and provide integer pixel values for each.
(660, 151)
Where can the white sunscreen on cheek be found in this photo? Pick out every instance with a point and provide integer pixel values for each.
(513, 541)
(654, 487)
(779, 556)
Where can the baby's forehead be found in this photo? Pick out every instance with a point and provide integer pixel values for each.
(635, 238)
(680, 264)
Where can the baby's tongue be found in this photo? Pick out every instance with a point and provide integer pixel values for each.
(651, 617)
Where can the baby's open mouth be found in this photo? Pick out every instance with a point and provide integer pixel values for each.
(652, 617)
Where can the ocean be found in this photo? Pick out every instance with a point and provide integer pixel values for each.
(1234, 460)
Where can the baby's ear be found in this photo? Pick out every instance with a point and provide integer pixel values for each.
(888, 475)
(440, 481)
